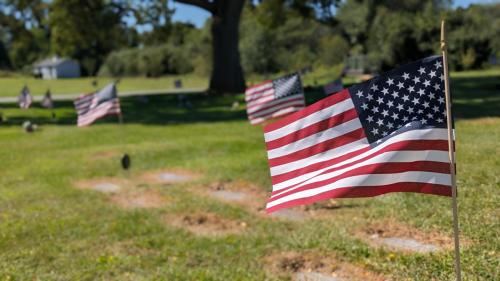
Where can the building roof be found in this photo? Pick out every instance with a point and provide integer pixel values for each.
(53, 61)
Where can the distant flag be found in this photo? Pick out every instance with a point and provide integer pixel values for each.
(333, 87)
(91, 107)
(25, 99)
(274, 98)
(47, 100)
(388, 134)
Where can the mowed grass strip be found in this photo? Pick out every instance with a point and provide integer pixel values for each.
(52, 230)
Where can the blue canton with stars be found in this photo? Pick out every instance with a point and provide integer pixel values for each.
(409, 97)
(288, 85)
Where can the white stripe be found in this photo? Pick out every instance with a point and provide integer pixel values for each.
(309, 120)
(386, 157)
(315, 139)
(259, 96)
(369, 180)
(260, 101)
(428, 134)
(271, 110)
(262, 87)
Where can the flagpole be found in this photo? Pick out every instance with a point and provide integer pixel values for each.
(451, 148)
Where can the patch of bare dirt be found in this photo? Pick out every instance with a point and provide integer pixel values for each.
(139, 199)
(239, 192)
(105, 185)
(295, 264)
(101, 155)
(168, 176)
(376, 232)
(206, 224)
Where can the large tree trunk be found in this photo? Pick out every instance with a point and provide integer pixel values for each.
(227, 74)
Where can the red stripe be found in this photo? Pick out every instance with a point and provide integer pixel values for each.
(319, 147)
(379, 168)
(313, 129)
(367, 191)
(270, 104)
(278, 113)
(260, 100)
(411, 145)
(324, 103)
(276, 107)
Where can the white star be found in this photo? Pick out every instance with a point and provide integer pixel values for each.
(390, 103)
(405, 119)
(429, 115)
(441, 100)
(380, 100)
(415, 101)
(432, 73)
(411, 89)
(374, 87)
(426, 105)
(384, 133)
(437, 86)
(420, 111)
(408, 125)
(435, 108)
(375, 131)
(400, 85)
(414, 118)
(369, 119)
(359, 94)
(369, 97)
(364, 106)
(427, 83)
(385, 91)
(406, 98)
(390, 81)
(410, 109)
(385, 113)
(395, 116)
(424, 121)
(406, 76)
(438, 64)
(380, 122)
(375, 109)
(432, 95)
(390, 125)
(442, 77)
(379, 141)
(395, 94)
(421, 70)
(440, 120)
(416, 80)
(421, 92)
(400, 107)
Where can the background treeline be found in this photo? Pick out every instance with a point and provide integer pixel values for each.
(114, 38)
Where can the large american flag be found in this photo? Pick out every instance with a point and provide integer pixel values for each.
(25, 99)
(274, 98)
(91, 107)
(384, 135)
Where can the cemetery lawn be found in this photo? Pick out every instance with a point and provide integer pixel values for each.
(11, 86)
(52, 230)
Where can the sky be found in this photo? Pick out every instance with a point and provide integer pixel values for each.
(197, 16)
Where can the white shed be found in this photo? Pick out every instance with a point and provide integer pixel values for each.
(55, 67)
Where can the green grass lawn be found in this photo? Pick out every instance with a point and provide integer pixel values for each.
(51, 230)
(11, 86)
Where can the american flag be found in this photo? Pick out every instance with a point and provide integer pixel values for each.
(384, 135)
(47, 100)
(25, 99)
(333, 87)
(274, 98)
(97, 105)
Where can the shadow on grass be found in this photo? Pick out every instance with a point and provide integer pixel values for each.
(474, 97)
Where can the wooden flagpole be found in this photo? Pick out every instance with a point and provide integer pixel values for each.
(451, 148)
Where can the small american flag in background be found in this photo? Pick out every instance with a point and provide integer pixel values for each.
(274, 98)
(97, 105)
(47, 100)
(385, 135)
(25, 99)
